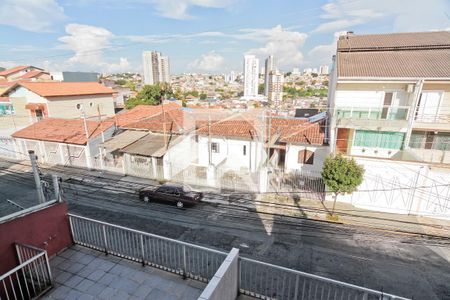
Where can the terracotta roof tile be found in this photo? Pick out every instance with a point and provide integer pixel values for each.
(176, 120)
(12, 70)
(55, 89)
(67, 131)
(287, 130)
(4, 99)
(142, 112)
(32, 74)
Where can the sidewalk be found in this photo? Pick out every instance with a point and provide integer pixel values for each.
(349, 214)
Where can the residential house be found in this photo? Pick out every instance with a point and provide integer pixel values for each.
(389, 99)
(152, 142)
(68, 100)
(17, 72)
(72, 142)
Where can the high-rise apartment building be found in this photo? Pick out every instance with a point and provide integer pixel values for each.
(156, 67)
(323, 70)
(275, 87)
(269, 66)
(251, 73)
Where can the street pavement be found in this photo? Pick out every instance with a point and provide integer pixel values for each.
(408, 265)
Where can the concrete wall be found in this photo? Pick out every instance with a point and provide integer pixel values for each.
(231, 150)
(291, 159)
(402, 187)
(47, 228)
(66, 107)
(179, 156)
(225, 283)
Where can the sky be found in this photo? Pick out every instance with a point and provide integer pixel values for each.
(207, 36)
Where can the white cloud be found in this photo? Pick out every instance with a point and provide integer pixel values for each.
(404, 15)
(208, 62)
(322, 54)
(179, 9)
(284, 44)
(31, 15)
(88, 44)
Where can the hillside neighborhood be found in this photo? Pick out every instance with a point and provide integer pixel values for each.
(349, 161)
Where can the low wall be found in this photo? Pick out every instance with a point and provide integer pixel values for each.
(225, 283)
(47, 228)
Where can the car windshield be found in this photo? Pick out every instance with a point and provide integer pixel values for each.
(186, 189)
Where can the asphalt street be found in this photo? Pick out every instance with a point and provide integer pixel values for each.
(406, 265)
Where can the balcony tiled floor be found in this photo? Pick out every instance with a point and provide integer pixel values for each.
(81, 273)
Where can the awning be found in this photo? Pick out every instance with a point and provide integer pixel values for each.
(123, 140)
(152, 145)
(35, 106)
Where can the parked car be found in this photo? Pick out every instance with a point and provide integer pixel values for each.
(181, 194)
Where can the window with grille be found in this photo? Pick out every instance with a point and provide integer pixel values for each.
(306, 157)
(215, 147)
(244, 150)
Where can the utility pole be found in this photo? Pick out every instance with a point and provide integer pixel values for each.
(209, 135)
(37, 178)
(164, 121)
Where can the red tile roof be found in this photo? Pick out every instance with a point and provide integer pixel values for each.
(55, 89)
(68, 131)
(176, 121)
(13, 70)
(32, 74)
(142, 112)
(4, 99)
(286, 130)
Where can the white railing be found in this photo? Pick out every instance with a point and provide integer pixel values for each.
(266, 281)
(373, 113)
(174, 256)
(432, 118)
(257, 279)
(31, 278)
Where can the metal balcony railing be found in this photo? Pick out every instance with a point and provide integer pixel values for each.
(432, 118)
(257, 279)
(373, 113)
(31, 278)
(174, 256)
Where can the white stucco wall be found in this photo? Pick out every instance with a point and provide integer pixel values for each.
(291, 160)
(231, 150)
(179, 156)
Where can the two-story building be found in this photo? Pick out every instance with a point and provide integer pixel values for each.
(389, 102)
(67, 100)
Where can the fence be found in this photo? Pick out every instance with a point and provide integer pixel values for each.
(31, 278)
(266, 281)
(256, 279)
(185, 259)
(306, 183)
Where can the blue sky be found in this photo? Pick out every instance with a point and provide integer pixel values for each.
(208, 36)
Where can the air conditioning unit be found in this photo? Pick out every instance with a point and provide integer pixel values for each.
(410, 88)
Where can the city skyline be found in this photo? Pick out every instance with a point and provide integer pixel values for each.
(206, 36)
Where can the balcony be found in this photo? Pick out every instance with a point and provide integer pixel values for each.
(380, 118)
(432, 122)
(114, 262)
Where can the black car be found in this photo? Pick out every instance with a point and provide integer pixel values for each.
(181, 194)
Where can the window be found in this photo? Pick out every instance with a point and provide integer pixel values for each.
(378, 139)
(244, 150)
(306, 157)
(78, 106)
(91, 104)
(215, 147)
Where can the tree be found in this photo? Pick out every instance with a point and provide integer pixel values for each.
(341, 175)
(149, 95)
(203, 96)
(261, 88)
